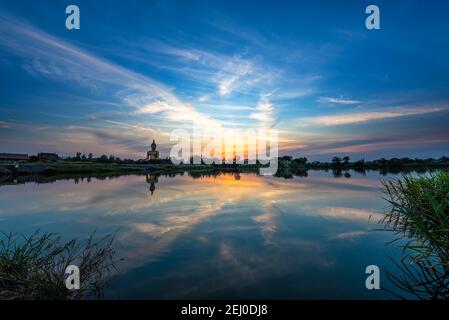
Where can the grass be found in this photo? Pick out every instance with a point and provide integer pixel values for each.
(33, 267)
(418, 214)
(419, 210)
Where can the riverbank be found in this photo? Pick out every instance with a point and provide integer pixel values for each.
(52, 169)
(285, 168)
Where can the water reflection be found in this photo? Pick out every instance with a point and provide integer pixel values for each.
(286, 173)
(214, 234)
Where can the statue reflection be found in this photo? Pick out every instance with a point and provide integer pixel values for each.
(152, 179)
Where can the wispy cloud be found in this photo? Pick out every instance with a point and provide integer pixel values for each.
(227, 73)
(264, 112)
(350, 235)
(203, 98)
(363, 144)
(49, 56)
(343, 101)
(4, 125)
(292, 94)
(343, 213)
(365, 116)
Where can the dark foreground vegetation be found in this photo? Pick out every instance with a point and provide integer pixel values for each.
(419, 216)
(346, 163)
(33, 267)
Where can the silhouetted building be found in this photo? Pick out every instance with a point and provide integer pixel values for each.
(153, 154)
(14, 156)
(47, 156)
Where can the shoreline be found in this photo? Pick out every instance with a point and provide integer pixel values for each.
(50, 169)
(68, 170)
(53, 169)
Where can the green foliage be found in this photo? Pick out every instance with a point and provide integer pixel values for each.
(336, 161)
(418, 213)
(302, 161)
(419, 209)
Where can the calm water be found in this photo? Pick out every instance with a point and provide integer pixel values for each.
(231, 236)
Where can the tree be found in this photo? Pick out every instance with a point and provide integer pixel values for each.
(301, 161)
(346, 160)
(336, 161)
(443, 159)
(360, 163)
(90, 156)
(103, 159)
(78, 156)
(83, 157)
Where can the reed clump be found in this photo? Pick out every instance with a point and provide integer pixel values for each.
(418, 214)
(33, 267)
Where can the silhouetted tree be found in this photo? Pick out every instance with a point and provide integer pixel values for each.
(336, 161)
(301, 161)
(443, 159)
(360, 163)
(103, 159)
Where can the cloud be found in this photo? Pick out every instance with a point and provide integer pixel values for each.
(4, 125)
(367, 116)
(235, 74)
(341, 101)
(264, 112)
(113, 137)
(347, 213)
(292, 94)
(350, 235)
(388, 141)
(47, 56)
(176, 111)
(203, 98)
(226, 74)
(51, 57)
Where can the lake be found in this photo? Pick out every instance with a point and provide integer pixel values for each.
(225, 236)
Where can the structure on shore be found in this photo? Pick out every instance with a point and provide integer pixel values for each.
(48, 156)
(153, 154)
(13, 156)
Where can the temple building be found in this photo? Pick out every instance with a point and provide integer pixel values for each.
(153, 154)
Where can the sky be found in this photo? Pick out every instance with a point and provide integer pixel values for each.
(137, 70)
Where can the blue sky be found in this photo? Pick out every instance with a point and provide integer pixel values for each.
(136, 70)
